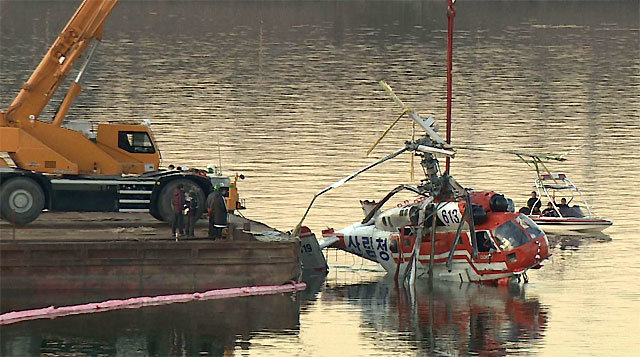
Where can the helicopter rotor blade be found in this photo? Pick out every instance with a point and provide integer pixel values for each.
(432, 150)
(514, 152)
(412, 170)
(413, 138)
(424, 123)
(379, 205)
(385, 132)
(344, 180)
(467, 214)
(410, 273)
(353, 175)
(452, 250)
(572, 150)
(523, 160)
(472, 227)
(545, 168)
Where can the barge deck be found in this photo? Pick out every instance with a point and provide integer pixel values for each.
(131, 254)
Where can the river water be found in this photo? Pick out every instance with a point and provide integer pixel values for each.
(286, 93)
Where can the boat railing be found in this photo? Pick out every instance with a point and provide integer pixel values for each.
(542, 187)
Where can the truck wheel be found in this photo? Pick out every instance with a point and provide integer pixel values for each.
(21, 200)
(153, 211)
(163, 204)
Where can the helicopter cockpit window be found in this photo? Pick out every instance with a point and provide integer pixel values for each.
(531, 227)
(135, 142)
(485, 243)
(509, 235)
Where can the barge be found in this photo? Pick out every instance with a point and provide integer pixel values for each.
(130, 254)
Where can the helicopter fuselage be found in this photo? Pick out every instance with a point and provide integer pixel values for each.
(506, 243)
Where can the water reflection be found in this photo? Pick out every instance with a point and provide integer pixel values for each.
(564, 242)
(196, 328)
(449, 319)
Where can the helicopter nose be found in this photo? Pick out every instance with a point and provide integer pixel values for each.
(543, 248)
(529, 255)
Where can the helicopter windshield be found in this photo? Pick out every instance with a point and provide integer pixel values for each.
(510, 235)
(530, 226)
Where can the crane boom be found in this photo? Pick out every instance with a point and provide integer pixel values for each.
(78, 166)
(49, 147)
(86, 24)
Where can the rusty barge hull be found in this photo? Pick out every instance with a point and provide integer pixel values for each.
(144, 266)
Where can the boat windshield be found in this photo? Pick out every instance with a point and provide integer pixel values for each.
(573, 211)
(528, 224)
(510, 235)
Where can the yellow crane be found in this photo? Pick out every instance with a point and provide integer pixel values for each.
(62, 169)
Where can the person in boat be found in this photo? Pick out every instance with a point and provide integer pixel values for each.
(563, 203)
(190, 212)
(217, 213)
(533, 205)
(565, 210)
(177, 202)
(549, 211)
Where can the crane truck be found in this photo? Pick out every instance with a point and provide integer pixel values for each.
(62, 167)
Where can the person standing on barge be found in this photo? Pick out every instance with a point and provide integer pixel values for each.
(217, 213)
(177, 202)
(191, 211)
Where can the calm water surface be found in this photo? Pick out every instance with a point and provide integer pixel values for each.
(287, 92)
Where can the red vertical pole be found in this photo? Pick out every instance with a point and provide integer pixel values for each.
(451, 13)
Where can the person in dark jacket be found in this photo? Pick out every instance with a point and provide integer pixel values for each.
(191, 211)
(534, 204)
(217, 213)
(177, 202)
(549, 211)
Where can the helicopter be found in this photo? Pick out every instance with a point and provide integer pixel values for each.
(448, 231)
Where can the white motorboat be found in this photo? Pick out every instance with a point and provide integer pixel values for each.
(565, 218)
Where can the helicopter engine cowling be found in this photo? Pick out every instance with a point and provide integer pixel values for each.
(479, 214)
(491, 201)
(498, 203)
(393, 219)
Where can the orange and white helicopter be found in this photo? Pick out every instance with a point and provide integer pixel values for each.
(451, 232)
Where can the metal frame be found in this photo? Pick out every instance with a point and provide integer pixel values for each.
(540, 187)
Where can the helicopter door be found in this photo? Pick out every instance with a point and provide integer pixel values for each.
(485, 244)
